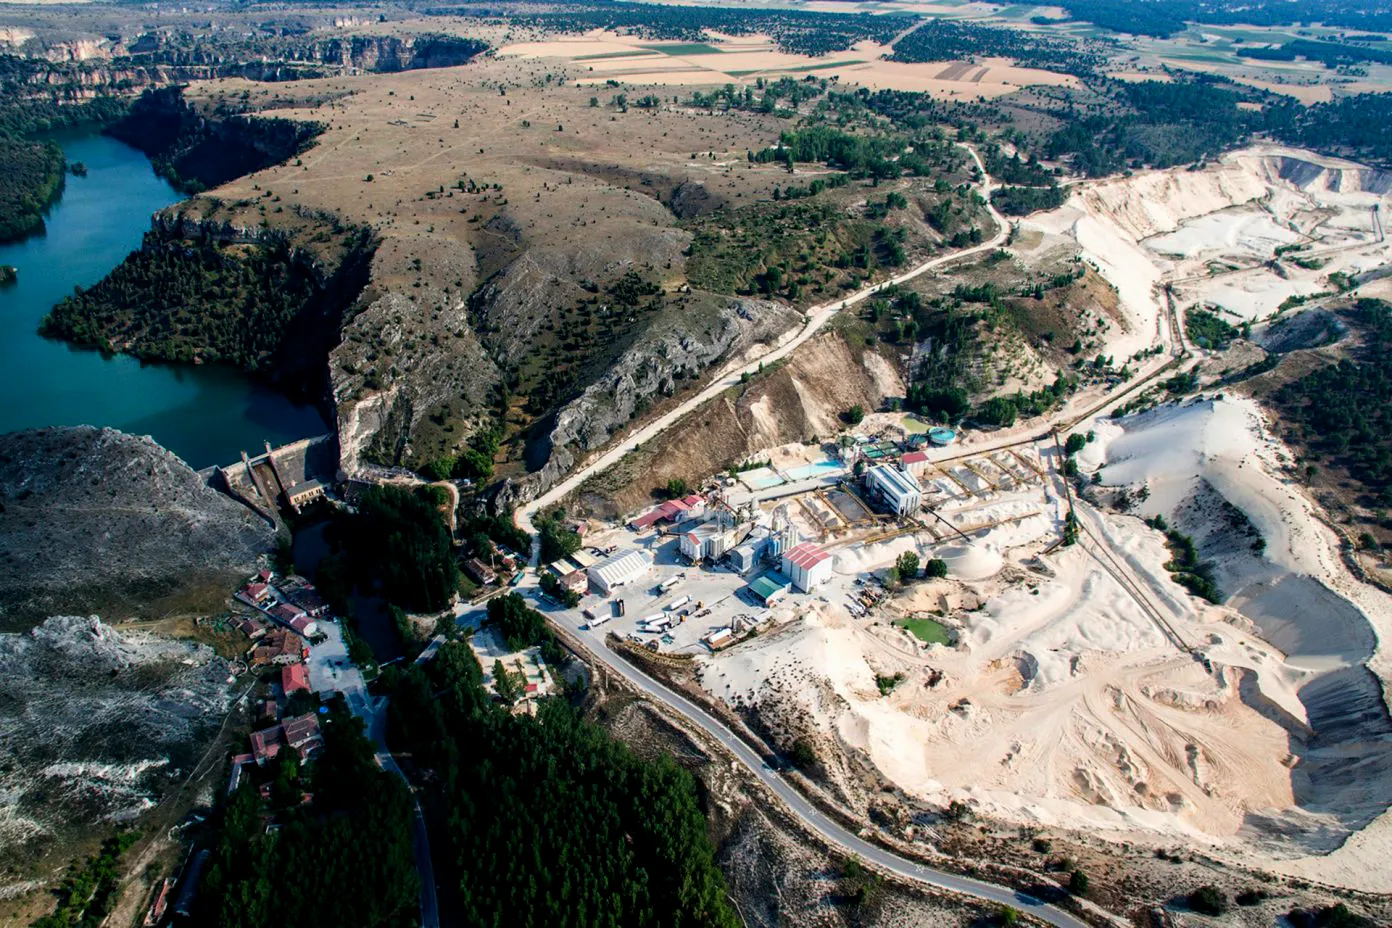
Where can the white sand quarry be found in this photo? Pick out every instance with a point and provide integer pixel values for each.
(1068, 703)
(1213, 233)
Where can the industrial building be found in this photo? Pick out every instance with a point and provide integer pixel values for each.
(807, 565)
(898, 490)
(619, 569)
(743, 558)
(768, 588)
(706, 541)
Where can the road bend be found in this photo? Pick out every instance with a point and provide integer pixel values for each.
(829, 830)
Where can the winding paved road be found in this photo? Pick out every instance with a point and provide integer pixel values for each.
(832, 832)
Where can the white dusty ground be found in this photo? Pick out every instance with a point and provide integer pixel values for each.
(1213, 232)
(1072, 698)
(1065, 704)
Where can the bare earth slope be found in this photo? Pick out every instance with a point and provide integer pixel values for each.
(97, 520)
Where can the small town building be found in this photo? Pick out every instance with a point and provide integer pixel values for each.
(895, 489)
(278, 646)
(807, 566)
(304, 626)
(251, 626)
(576, 581)
(768, 589)
(620, 569)
(303, 594)
(294, 678)
(914, 463)
(285, 613)
(257, 592)
(479, 572)
(300, 733)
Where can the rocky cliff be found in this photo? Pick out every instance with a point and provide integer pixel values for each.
(94, 520)
(651, 369)
(196, 150)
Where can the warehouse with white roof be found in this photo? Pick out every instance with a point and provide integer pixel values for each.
(619, 569)
(899, 490)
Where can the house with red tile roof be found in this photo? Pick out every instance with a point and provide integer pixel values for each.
(294, 678)
(299, 733)
(278, 647)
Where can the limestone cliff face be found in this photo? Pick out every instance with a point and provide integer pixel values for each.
(649, 370)
(94, 520)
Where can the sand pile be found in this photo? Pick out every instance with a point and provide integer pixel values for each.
(971, 562)
(1209, 467)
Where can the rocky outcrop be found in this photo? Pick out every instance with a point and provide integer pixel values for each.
(96, 726)
(153, 60)
(652, 368)
(801, 400)
(94, 520)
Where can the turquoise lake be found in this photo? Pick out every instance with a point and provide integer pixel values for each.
(204, 414)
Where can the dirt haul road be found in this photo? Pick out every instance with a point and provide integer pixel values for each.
(817, 317)
(833, 833)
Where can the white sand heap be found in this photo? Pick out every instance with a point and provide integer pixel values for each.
(1067, 704)
(971, 562)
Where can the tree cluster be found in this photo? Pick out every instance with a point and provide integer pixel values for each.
(344, 858)
(551, 821)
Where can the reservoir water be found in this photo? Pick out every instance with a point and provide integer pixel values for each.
(205, 414)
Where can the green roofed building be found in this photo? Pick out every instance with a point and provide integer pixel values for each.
(768, 588)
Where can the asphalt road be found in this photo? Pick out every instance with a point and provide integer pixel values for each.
(832, 832)
(354, 691)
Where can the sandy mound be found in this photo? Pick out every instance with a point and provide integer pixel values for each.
(1209, 468)
(971, 562)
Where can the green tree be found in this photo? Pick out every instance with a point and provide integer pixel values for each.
(506, 684)
(677, 488)
(935, 569)
(907, 565)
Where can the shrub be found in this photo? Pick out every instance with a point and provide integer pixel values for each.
(1208, 900)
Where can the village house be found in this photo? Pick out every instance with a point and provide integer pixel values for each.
(257, 592)
(294, 678)
(251, 626)
(278, 647)
(479, 572)
(299, 733)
